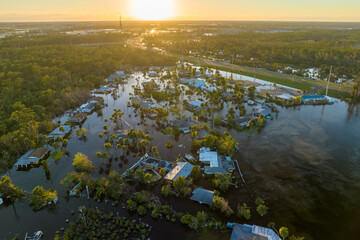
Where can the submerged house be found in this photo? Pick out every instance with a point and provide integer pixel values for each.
(202, 196)
(58, 133)
(194, 105)
(217, 163)
(183, 125)
(263, 110)
(253, 232)
(157, 164)
(78, 118)
(316, 99)
(181, 169)
(33, 157)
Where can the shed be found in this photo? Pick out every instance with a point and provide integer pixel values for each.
(202, 196)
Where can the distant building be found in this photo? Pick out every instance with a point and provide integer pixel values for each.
(194, 105)
(33, 157)
(181, 169)
(183, 125)
(251, 232)
(202, 196)
(314, 99)
(242, 121)
(152, 74)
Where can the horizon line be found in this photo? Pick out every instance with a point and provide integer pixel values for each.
(187, 20)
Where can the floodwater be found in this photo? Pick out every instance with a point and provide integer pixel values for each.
(305, 164)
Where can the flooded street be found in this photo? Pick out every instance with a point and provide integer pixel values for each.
(305, 164)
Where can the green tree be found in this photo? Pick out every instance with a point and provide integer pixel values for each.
(82, 164)
(196, 172)
(222, 181)
(284, 232)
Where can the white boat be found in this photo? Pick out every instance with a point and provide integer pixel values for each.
(37, 236)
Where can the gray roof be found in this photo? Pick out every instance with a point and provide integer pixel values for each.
(202, 196)
(57, 133)
(181, 169)
(214, 170)
(252, 232)
(32, 156)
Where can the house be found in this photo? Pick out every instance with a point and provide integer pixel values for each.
(95, 99)
(102, 90)
(181, 169)
(152, 74)
(313, 99)
(183, 125)
(263, 110)
(197, 83)
(111, 78)
(33, 157)
(157, 164)
(184, 74)
(78, 118)
(121, 74)
(253, 232)
(285, 97)
(88, 108)
(168, 68)
(242, 121)
(217, 163)
(202, 133)
(58, 133)
(208, 89)
(202, 196)
(208, 157)
(194, 105)
(154, 68)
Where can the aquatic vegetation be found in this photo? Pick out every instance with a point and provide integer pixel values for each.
(96, 224)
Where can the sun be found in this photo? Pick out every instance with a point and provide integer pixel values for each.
(152, 9)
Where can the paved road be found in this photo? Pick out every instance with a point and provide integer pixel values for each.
(137, 42)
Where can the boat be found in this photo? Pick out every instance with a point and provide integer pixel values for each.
(37, 236)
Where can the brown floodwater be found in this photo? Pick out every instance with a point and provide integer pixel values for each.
(305, 164)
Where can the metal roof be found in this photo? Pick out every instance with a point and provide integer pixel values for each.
(181, 169)
(252, 232)
(32, 156)
(202, 196)
(209, 157)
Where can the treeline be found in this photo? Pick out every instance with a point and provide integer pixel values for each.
(37, 39)
(40, 82)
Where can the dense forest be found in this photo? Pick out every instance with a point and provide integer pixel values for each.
(301, 49)
(41, 77)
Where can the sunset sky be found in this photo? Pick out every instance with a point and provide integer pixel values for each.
(70, 10)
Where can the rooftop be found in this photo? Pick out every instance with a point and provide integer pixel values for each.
(32, 156)
(209, 157)
(252, 232)
(181, 169)
(202, 196)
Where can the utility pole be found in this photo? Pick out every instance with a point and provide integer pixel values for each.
(327, 87)
(120, 23)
